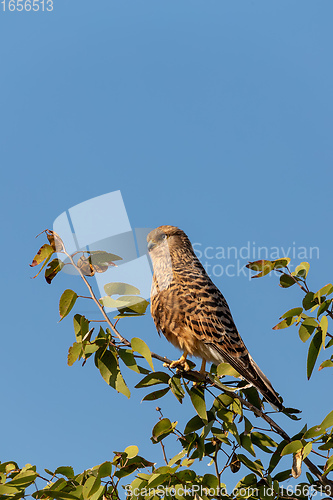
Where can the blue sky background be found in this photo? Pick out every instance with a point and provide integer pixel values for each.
(213, 116)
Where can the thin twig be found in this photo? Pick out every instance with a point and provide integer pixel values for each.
(296, 281)
(164, 455)
(99, 305)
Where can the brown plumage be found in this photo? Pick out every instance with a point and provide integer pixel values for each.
(193, 314)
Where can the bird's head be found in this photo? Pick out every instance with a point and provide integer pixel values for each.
(167, 239)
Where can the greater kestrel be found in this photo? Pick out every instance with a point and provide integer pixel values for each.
(193, 314)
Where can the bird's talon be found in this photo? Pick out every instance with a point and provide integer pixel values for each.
(180, 365)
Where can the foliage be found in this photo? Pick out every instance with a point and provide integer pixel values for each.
(224, 428)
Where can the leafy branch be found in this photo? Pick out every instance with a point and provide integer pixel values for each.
(219, 424)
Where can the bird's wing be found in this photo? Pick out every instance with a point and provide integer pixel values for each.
(208, 315)
(211, 321)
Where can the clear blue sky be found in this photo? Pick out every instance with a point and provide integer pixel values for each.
(214, 116)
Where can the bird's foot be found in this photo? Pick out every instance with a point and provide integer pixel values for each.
(181, 364)
(202, 372)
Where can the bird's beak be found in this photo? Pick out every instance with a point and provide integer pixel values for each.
(151, 245)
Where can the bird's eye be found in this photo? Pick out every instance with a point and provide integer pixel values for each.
(164, 236)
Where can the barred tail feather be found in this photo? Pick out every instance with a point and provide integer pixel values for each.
(251, 372)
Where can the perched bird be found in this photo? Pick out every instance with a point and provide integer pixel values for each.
(193, 314)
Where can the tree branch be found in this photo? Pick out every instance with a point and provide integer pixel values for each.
(197, 376)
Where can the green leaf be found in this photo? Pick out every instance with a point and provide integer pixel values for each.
(259, 437)
(328, 465)
(220, 434)
(328, 421)
(120, 385)
(54, 494)
(7, 491)
(226, 369)
(24, 478)
(107, 364)
(326, 446)
(276, 457)
(284, 323)
(176, 387)
(249, 480)
(248, 426)
(305, 332)
(162, 429)
(309, 321)
(325, 290)
(231, 427)
(153, 379)
(198, 401)
(237, 407)
(302, 269)
(156, 394)
(313, 432)
(126, 355)
(193, 425)
(8, 466)
(255, 466)
(309, 301)
(66, 471)
(326, 364)
(131, 451)
(210, 481)
(73, 353)
(129, 303)
(66, 303)
(292, 447)
(279, 263)
(141, 347)
(43, 253)
(286, 281)
(323, 307)
(307, 328)
(120, 289)
(53, 268)
(89, 348)
(81, 327)
(105, 469)
(306, 450)
(296, 311)
(313, 352)
(247, 443)
(324, 328)
(177, 458)
(252, 396)
(156, 480)
(282, 476)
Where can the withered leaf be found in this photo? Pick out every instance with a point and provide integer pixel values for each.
(43, 253)
(85, 266)
(101, 257)
(296, 469)
(94, 264)
(235, 464)
(53, 269)
(55, 240)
